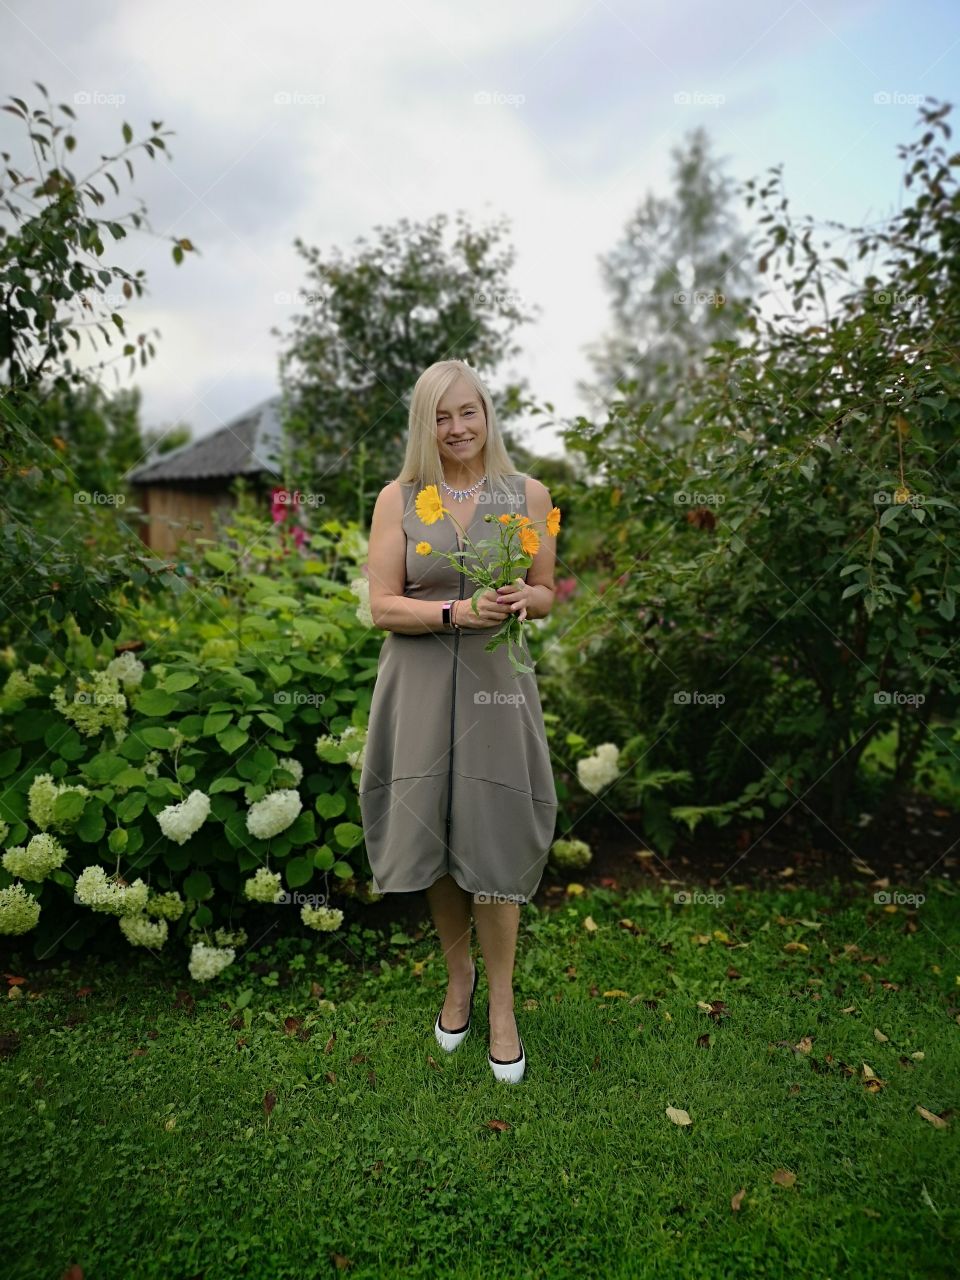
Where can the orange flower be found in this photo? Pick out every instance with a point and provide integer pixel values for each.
(553, 522)
(505, 519)
(428, 505)
(424, 548)
(529, 540)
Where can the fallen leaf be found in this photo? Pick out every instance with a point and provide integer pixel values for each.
(328, 1047)
(793, 947)
(340, 1261)
(590, 924)
(574, 890)
(269, 1101)
(616, 992)
(500, 1126)
(737, 1200)
(918, 1055)
(938, 1122)
(291, 1025)
(783, 1177)
(880, 1036)
(678, 1115)
(432, 1062)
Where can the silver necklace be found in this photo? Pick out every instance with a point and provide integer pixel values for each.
(461, 494)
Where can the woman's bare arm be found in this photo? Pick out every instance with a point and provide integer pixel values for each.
(386, 567)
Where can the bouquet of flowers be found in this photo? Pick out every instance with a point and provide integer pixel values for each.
(510, 550)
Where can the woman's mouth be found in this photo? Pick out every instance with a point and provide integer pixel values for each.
(459, 444)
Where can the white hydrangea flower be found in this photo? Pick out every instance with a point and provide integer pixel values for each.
(294, 767)
(230, 937)
(19, 910)
(127, 669)
(178, 822)
(18, 687)
(359, 738)
(42, 797)
(360, 587)
(139, 931)
(98, 704)
(95, 890)
(151, 763)
(166, 906)
(600, 769)
(42, 855)
(265, 886)
(274, 813)
(325, 919)
(4, 830)
(206, 961)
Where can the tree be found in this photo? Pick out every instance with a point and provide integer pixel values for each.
(374, 321)
(790, 580)
(57, 290)
(673, 280)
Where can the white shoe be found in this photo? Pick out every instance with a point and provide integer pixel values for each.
(449, 1040)
(511, 1070)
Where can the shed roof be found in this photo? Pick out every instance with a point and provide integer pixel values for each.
(247, 445)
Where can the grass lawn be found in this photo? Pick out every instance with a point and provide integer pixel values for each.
(296, 1117)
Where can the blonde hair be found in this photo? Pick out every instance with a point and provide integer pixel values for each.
(421, 462)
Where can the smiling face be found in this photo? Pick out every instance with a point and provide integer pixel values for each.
(461, 426)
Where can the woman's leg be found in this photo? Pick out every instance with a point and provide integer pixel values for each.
(497, 924)
(450, 907)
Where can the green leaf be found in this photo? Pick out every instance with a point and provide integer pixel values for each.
(298, 871)
(224, 784)
(10, 761)
(220, 560)
(69, 806)
(232, 739)
(323, 858)
(216, 722)
(198, 885)
(330, 805)
(348, 834)
(179, 680)
(117, 840)
(155, 702)
(156, 737)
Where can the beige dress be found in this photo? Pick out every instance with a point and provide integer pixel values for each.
(456, 774)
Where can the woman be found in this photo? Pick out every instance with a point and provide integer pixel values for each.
(457, 794)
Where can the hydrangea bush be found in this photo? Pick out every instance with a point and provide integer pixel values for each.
(208, 770)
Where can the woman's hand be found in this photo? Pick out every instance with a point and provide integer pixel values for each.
(493, 608)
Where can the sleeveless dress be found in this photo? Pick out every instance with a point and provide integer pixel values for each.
(456, 775)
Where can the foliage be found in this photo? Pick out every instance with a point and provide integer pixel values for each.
(263, 658)
(676, 282)
(788, 583)
(374, 321)
(58, 295)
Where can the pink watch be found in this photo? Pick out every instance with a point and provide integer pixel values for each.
(448, 620)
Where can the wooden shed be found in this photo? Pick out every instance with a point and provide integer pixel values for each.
(179, 491)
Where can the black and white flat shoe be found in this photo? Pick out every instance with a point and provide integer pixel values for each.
(449, 1040)
(509, 1069)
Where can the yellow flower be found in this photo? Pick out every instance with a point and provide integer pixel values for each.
(524, 519)
(424, 548)
(505, 519)
(901, 493)
(529, 540)
(553, 522)
(428, 505)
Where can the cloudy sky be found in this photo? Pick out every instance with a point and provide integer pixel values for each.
(322, 120)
